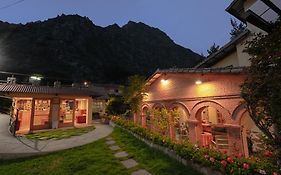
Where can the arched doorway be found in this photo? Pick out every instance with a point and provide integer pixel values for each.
(180, 120)
(145, 117)
(211, 131)
(251, 135)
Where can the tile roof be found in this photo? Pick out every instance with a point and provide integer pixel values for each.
(21, 88)
(221, 70)
(204, 70)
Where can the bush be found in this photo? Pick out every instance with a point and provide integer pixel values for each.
(235, 164)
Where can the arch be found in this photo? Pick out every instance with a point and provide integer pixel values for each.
(179, 128)
(238, 113)
(176, 104)
(144, 106)
(158, 105)
(249, 131)
(226, 114)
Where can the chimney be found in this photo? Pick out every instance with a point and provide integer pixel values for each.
(57, 84)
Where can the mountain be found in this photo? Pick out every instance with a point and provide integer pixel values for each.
(73, 47)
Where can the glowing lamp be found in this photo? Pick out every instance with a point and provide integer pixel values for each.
(35, 78)
(164, 81)
(198, 82)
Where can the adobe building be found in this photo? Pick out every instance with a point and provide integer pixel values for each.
(45, 107)
(212, 113)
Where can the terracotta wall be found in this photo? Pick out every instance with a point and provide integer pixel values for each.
(180, 85)
(221, 91)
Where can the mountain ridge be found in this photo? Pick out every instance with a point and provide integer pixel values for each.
(73, 47)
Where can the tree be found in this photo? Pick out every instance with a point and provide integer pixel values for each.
(262, 88)
(236, 28)
(134, 93)
(213, 49)
(116, 105)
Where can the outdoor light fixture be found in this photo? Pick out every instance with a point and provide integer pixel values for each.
(164, 81)
(35, 78)
(197, 82)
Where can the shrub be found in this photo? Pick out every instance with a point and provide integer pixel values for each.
(211, 158)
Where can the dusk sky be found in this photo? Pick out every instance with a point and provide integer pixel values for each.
(195, 24)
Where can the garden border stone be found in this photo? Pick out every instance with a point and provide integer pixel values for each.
(203, 169)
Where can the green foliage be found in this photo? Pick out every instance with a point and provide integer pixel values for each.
(237, 29)
(161, 119)
(134, 92)
(262, 88)
(213, 49)
(94, 158)
(116, 105)
(72, 47)
(235, 164)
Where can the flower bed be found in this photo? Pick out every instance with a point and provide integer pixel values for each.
(211, 158)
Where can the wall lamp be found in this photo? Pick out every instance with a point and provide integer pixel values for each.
(198, 82)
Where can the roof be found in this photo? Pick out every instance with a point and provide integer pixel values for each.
(223, 70)
(236, 8)
(223, 51)
(22, 88)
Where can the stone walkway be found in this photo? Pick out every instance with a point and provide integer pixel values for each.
(124, 157)
(14, 147)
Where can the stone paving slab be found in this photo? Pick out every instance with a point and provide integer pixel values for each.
(130, 163)
(140, 172)
(114, 148)
(110, 142)
(121, 154)
(109, 138)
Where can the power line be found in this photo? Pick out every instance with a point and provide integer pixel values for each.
(12, 4)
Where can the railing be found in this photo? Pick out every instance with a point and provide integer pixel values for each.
(13, 123)
(213, 145)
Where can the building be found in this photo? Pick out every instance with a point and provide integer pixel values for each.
(258, 16)
(210, 106)
(99, 103)
(207, 97)
(45, 107)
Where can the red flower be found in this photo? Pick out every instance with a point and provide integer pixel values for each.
(206, 156)
(224, 163)
(274, 173)
(212, 159)
(268, 153)
(230, 160)
(245, 166)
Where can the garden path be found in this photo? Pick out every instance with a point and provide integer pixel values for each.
(14, 147)
(124, 158)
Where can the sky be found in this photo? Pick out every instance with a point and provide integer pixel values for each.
(194, 24)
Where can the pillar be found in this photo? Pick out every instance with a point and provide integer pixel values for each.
(55, 110)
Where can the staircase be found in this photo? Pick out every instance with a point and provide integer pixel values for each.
(221, 141)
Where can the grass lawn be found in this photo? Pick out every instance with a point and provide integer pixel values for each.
(59, 133)
(96, 159)
(150, 159)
